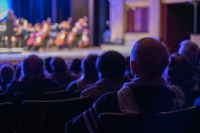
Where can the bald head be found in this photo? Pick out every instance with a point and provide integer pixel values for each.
(32, 66)
(149, 58)
(190, 50)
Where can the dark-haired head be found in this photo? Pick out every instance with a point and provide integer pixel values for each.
(6, 72)
(58, 65)
(76, 66)
(89, 67)
(47, 65)
(111, 64)
(179, 72)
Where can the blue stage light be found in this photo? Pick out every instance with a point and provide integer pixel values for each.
(4, 8)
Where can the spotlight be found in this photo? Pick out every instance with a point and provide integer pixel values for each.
(6, 38)
(13, 38)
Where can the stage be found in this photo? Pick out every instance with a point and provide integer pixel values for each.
(17, 55)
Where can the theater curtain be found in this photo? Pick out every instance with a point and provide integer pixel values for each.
(35, 11)
(101, 15)
(138, 20)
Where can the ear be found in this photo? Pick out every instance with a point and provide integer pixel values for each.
(133, 66)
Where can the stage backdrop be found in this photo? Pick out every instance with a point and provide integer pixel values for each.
(35, 11)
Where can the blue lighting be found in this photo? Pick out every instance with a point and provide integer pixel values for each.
(4, 8)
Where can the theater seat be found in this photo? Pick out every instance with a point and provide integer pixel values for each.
(190, 96)
(3, 98)
(182, 121)
(46, 116)
(6, 118)
(56, 95)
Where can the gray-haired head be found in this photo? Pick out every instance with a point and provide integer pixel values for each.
(190, 50)
(32, 67)
(149, 58)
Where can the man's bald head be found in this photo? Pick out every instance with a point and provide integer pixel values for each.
(149, 58)
(190, 50)
(32, 66)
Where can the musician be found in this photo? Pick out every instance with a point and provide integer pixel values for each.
(9, 27)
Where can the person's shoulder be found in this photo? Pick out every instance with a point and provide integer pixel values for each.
(108, 103)
(71, 85)
(89, 89)
(51, 83)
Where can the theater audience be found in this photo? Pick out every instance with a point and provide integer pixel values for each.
(89, 76)
(179, 72)
(6, 75)
(128, 71)
(111, 67)
(17, 73)
(48, 70)
(60, 73)
(190, 50)
(75, 68)
(147, 93)
(33, 80)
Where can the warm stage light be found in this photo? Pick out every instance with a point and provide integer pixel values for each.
(6, 38)
(2, 27)
(62, 36)
(38, 39)
(13, 38)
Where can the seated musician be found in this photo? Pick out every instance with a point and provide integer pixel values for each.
(32, 38)
(41, 37)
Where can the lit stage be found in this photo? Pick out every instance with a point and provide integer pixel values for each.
(16, 55)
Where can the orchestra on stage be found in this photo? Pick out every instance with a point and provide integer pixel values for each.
(19, 33)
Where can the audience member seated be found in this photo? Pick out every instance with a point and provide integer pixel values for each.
(111, 67)
(128, 71)
(190, 50)
(17, 73)
(48, 70)
(179, 72)
(147, 93)
(6, 75)
(75, 68)
(33, 80)
(60, 73)
(89, 76)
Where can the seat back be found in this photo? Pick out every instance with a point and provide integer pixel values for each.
(3, 98)
(182, 121)
(45, 116)
(190, 97)
(6, 118)
(56, 95)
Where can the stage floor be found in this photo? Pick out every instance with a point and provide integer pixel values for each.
(65, 53)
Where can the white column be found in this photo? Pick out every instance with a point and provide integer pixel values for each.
(117, 21)
(91, 20)
(155, 18)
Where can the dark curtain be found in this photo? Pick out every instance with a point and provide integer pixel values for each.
(79, 9)
(21, 8)
(35, 11)
(177, 24)
(101, 15)
(63, 10)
